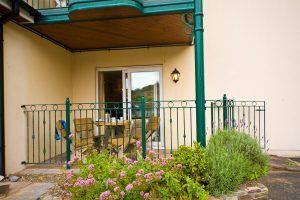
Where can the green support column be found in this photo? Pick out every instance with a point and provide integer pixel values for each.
(199, 73)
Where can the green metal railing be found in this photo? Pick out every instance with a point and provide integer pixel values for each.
(244, 116)
(158, 125)
(118, 127)
(47, 4)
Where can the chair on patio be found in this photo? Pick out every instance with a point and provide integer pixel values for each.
(83, 137)
(122, 143)
(152, 127)
(84, 133)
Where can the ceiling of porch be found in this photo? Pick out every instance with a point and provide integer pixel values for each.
(155, 30)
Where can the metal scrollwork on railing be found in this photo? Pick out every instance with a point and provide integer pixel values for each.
(44, 107)
(32, 107)
(92, 105)
(80, 106)
(170, 104)
(184, 104)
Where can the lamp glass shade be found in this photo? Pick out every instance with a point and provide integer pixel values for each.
(175, 75)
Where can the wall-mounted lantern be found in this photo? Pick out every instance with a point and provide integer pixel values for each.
(175, 75)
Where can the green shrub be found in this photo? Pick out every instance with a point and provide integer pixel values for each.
(108, 177)
(233, 158)
(193, 161)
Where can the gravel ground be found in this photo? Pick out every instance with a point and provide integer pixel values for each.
(55, 193)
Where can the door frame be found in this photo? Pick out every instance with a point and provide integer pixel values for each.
(137, 68)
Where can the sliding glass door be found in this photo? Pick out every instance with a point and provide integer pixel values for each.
(136, 82)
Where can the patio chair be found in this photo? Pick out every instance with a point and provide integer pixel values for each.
(152, 126)
(153, 129)
(122, 143)
(83, 137)
(84, 133)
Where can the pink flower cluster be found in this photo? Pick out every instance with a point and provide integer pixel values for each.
(76, 158)
(116, 189)
(110, 182)
(91, 167)
(138, 144)
(80, 182)
(128, 160)
(179, 166)
(70, 174)
(122, 175)
(145, 195)
(129, 187)
(105, 194)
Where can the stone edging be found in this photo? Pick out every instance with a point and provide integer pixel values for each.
(258, 192)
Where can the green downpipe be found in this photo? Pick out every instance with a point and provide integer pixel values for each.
(199, 73)
(68, 132)
(143, 126)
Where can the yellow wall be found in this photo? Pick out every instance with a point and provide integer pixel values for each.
(36, 71)
(85, 65)
(252, 53)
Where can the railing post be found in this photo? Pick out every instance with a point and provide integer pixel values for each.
(225, 120)
(68, 153)
(212, 118)
(143, 126)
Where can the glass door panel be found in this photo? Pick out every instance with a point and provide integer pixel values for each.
(144, 84)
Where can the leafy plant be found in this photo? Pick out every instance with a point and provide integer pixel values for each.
(233, 158)
(193, 161)
(108, 177)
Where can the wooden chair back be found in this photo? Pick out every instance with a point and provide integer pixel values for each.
(84, 130)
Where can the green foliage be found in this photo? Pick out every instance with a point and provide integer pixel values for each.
(230, 159)
(193, 161)
(233, 158)
(106, 177)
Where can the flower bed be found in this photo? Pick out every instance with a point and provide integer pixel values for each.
(190, 173)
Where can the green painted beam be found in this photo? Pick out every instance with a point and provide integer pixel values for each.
(60, 15)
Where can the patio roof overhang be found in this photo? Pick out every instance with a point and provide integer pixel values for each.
(93, 25)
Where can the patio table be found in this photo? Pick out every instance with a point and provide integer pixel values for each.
(111, 129)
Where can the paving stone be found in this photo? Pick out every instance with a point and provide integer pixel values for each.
(245, 197)
(31, 191)
(14, 178)
(260, 194)
(241, 193)
(253, 189)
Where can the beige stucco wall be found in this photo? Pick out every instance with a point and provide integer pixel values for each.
(36, 71)
(85, 65)
(252, 53)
